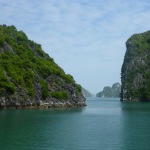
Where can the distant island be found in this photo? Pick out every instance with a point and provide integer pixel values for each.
(135, 72)
(30, 78)
(109, 92)
(86, 93)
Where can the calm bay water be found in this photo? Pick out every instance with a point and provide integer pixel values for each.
(105, 124)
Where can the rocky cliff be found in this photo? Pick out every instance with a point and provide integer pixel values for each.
(30, 78)
(135, 72)
(113, 91)
(86, 93)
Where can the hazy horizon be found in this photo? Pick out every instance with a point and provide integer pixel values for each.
(85, 37)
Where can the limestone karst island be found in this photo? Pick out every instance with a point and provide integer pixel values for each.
(30, 78)
(109, 92)
(135, 72)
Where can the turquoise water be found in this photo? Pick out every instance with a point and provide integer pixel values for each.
(105, 124)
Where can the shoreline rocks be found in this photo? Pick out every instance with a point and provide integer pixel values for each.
(53, 103)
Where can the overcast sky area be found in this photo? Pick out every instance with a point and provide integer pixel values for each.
(85, 37)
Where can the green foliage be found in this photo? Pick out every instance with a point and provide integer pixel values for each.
(68, 78)
(24, 61)
(44, 87)
(30, 88)
(62, 95)
(21, 36)
(1, 40)
(5, 84)
(78, 87)
(39, 50)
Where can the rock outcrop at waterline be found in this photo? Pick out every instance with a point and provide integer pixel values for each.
(30, 78)
(135, 72)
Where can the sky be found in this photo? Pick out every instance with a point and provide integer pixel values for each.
(85, 37)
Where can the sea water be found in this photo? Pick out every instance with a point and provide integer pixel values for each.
(104, 124)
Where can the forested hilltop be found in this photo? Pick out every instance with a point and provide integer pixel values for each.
(135, 72)
(29, 77)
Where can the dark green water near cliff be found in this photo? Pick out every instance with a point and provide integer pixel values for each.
(105, 124)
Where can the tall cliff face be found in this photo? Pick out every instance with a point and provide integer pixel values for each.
(113, 91)
(135, 72)
(29, 77)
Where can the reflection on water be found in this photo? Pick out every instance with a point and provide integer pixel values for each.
(136, 125)
(103, 124)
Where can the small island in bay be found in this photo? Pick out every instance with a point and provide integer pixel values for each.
(109, 92)
(135, 72)
(86, 93)
(30, 78)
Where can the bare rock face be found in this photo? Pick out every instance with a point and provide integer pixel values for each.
(135, 72)
(30, 78)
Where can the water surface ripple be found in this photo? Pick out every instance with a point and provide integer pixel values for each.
(105, 124)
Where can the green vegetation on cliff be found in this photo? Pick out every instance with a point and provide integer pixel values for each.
(27, 72)
(113, 91)
(135, 72)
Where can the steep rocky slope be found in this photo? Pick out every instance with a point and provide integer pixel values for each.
(86, 93)
(113, 91)
(135, 72)
(29, 77)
